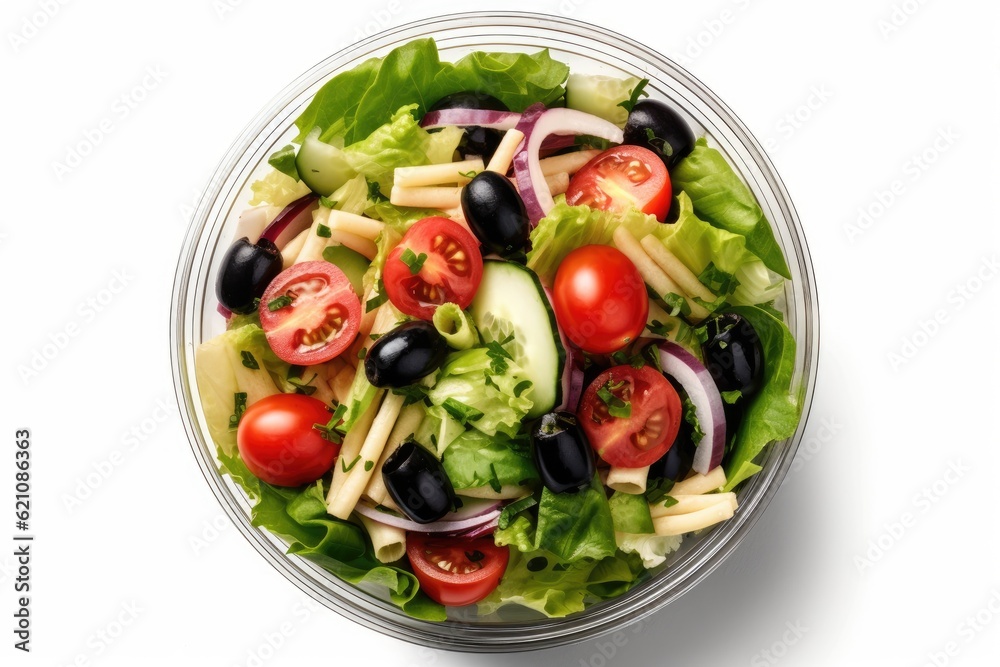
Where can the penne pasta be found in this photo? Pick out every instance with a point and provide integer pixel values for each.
(675, 268)
(437, 174)
(388, 542)
(362, 466)
(567, 162)
(357, 225)
(439, 197)
(698, 483)
(688, 504)
(409, 419)
(351, 447)
(628, 480)
(292, 249)
(504, 154)
(688, 523)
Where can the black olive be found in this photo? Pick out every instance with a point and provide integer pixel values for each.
(496, 214)
(674, 212)
(246, 271)
(404, 355)
(477, 140)
(733, 354)
(417, 483)
(676, 463)
(653, 125)
(561, 452)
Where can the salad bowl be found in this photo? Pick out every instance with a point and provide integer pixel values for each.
(585, 48)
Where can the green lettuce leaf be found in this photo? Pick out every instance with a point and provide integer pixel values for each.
(773, 414)
(652, 549)
(697, 244)
(277, 189)
(571, 526)
(567, 227)
(721, 198)
(467, 379)
(299, 516)
(400, 142)
(238, 360)
(475, 460)
(354, 103)
(539, 581)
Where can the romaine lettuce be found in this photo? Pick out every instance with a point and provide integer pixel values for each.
(474, 459)
(721, 198)
(566, 228)
(773, 414)
(299, 515)
(356, 102)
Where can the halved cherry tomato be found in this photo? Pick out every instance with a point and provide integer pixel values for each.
(622, 178)
(630, 415)
(600, 299)
(278, 443)
(310, 313)
(437, 261)
(455, 571)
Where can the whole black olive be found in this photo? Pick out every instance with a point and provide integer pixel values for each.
(733, 354)
(676, 463)
(404, 355)
(417, 483)
(496, 214)
(246, 271)
(674, 213)
(480, 141)
(561, 452)
(654, 125)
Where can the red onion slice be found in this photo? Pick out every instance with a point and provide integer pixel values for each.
(480, 531)
(537, 125)
(692, 375)
(291, 221)
(497, 120)
(449, 526)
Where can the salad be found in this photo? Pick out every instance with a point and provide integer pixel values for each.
(497, 333)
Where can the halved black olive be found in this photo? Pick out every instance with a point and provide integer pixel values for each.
(417, 483)
(733, 354)
(246, 271)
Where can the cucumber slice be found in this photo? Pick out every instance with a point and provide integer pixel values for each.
(322, 166)
(511, 299)
(352, 263)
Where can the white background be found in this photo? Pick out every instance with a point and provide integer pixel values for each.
(872, 549)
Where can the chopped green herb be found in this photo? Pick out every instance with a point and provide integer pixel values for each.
(348, 467)
(658, 491)
(374, 336)
(499, 355)
(619, 358)
(678, 304)
(411, 394)
(379, 298)
(490, 382)
(468, 174)
(713, 305)
(240, 403)
(362, 353)
(460, 411)
(660, 144)
(616, 406)
(732, 396)
(521, 387)
(331, 430)
(718, 280)
(279, 303)
(659, 328)
(324, 231)
(512, 510)
(249, 361)
(634, 95)
(284, 161)
(691, 417)
(326, 202)
(369, 465)
(494, 479)
(413, 261)
(303, 387)
(669, 501)
(375, 193)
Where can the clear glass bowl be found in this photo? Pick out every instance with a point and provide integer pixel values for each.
(587, 48)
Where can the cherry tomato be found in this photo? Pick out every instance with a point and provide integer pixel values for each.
(630, 415)
(600, 299)
(622, 178)
(278, 443)
(437, 261)
(310, 313)
(456, 571)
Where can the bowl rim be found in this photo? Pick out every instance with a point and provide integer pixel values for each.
(449, 635)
